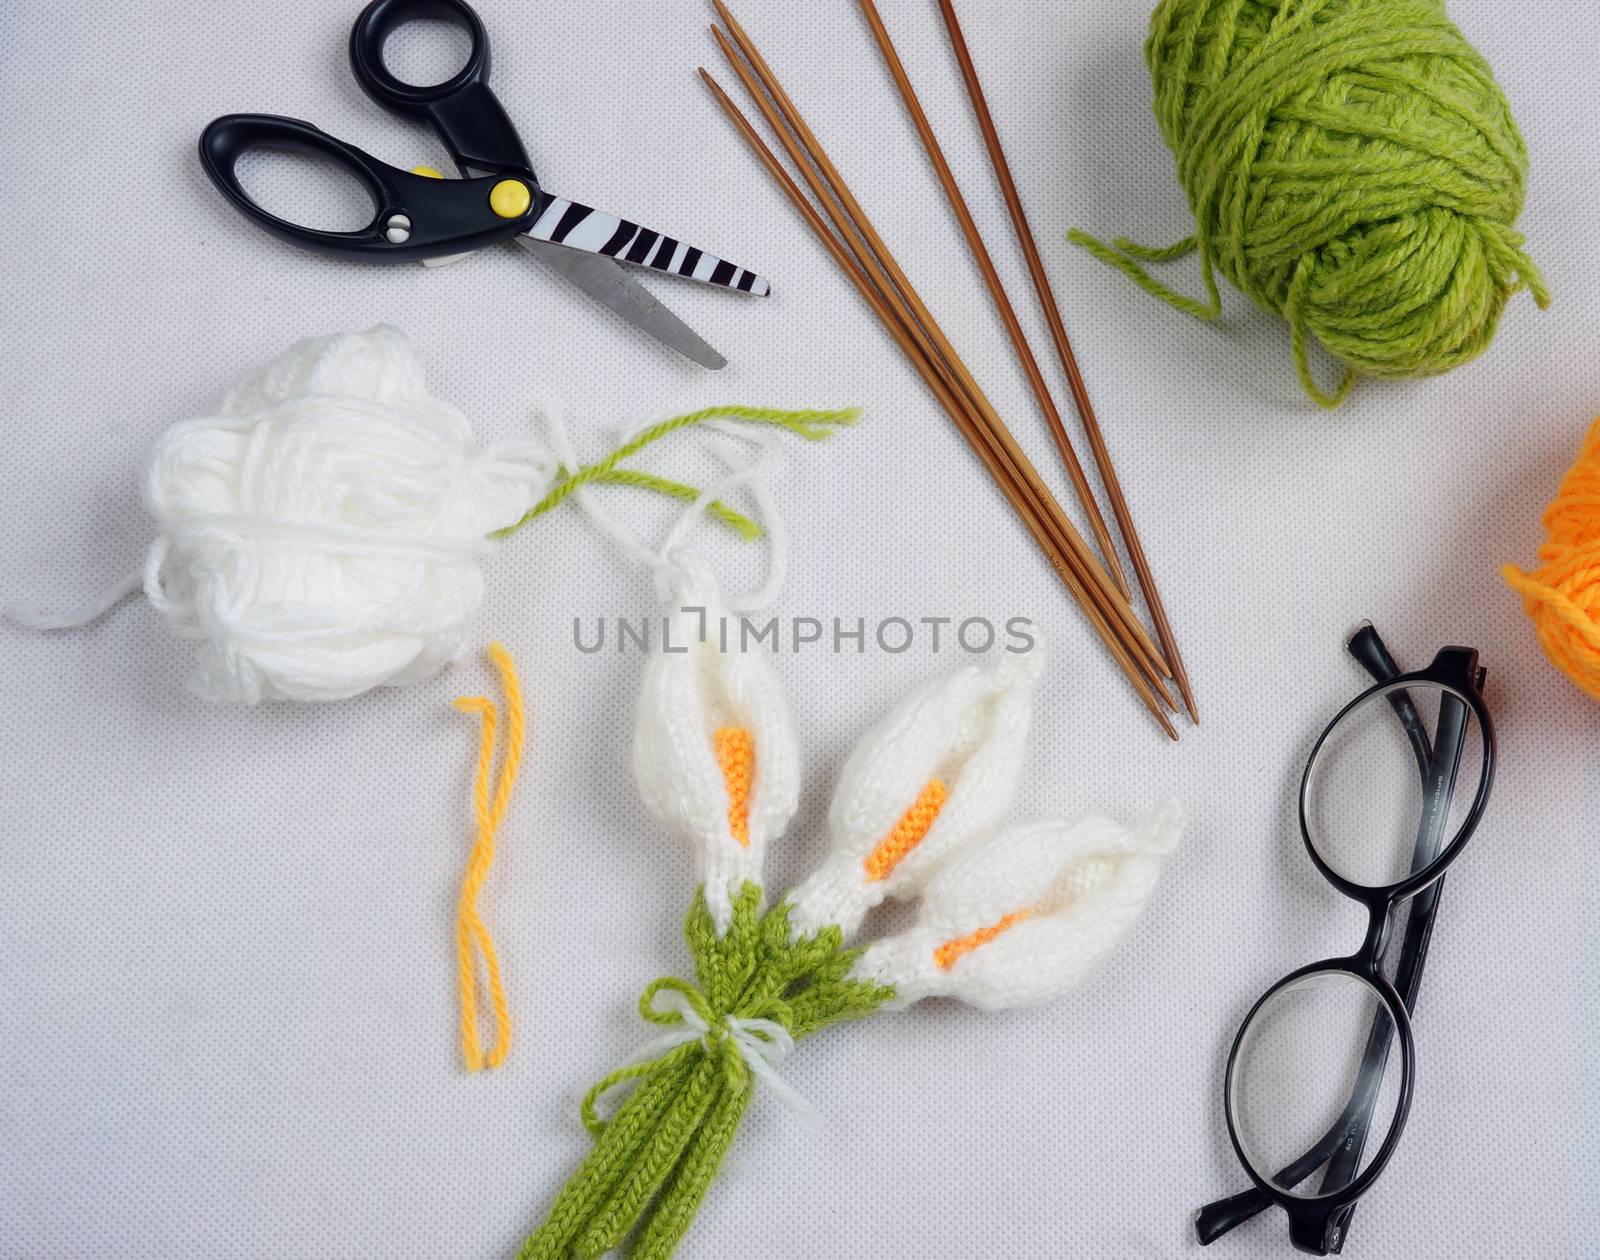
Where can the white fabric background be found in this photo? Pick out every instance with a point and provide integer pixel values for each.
(227, 1008)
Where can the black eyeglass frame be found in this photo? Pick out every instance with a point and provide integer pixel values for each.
(1317, 1223)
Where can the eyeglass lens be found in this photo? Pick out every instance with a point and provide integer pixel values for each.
(1392, 783)
(1316, 1083)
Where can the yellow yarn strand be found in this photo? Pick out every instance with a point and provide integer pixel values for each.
(470, 930)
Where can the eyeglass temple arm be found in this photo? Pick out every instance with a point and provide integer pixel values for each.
(1373, 656)
(1353, 1126)
(1217, 1218)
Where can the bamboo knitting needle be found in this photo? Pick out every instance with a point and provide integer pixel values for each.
(841, 221)
(936, 382)
(991, 280)
(1111, 600)
(1149, 657)
(1069, 361)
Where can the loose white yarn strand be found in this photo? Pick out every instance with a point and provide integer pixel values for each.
(555, 420)
(750, 475)
(85, 614)
(662, 562)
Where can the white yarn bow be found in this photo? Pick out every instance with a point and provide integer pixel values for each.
(763, 1044)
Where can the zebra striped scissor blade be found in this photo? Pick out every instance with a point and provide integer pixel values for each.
(578, 226)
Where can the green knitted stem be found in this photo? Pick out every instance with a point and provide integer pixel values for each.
(586, 1189)
(653, 1162)
(813, 425)
(820, 967)
(674, 1213)
(655, 1159)
(723, 966)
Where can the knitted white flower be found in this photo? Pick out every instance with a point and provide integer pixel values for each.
(940, 768)
(1006, 918)
(714, 750)
(1018, 918)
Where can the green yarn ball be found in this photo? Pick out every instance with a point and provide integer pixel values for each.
(1351, 165)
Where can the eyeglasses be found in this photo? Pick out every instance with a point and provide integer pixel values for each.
(1392, 792)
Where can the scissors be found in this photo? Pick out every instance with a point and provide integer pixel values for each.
(419, 215)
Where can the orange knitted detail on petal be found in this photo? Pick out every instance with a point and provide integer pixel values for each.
(907, 834)
(736, 754)
(951, 952)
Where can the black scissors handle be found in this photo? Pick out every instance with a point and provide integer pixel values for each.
(414, 216)
(462, 110)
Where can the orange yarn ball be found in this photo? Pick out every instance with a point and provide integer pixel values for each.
(1562, 596)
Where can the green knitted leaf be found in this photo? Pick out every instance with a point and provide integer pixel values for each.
(700, 933)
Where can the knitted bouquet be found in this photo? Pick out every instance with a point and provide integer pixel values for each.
(1008, 915)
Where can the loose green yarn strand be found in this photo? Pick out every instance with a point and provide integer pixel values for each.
(1122, 253)
(587, 1111)
(1352, 166)
(737, 521)
(812, 424)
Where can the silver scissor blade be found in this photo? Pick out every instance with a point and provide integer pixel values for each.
(603, 280)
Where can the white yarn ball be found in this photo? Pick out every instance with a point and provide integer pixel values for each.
(323, 534)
